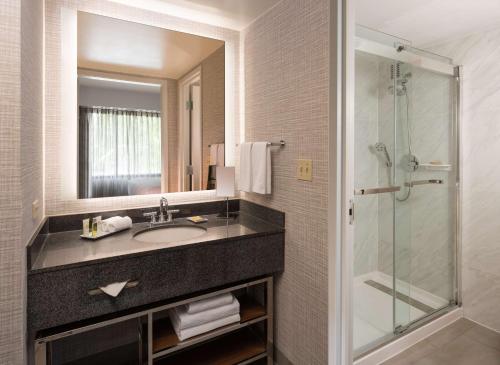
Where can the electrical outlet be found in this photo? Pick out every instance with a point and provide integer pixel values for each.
(304, 170)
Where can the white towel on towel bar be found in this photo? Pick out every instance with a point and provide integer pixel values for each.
(209, 303)
(246, 167)
(213, 154)
(184, 320)
(221, 150)
(184, 334)
(261, 168)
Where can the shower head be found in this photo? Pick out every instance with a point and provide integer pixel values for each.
(380, 147)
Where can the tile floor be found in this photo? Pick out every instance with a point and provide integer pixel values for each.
(461, 343)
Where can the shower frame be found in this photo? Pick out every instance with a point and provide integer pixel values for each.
(376, 43)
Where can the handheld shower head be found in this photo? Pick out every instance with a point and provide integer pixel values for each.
(381, 147)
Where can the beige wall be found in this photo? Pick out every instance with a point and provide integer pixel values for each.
(21, 160)
(55, 203)
(213, 84)
(286, 97)
(479, 54)
(173, 135)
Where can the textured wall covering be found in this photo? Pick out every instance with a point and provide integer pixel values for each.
(55, 203)
(21, 161)
(286, 97)
(479, 54)
(213, 84)
(11, 253)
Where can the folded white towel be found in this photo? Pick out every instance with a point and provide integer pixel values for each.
(213, 154)
(221, 150)
(209, 303)
(115, 224)
(184, 320)
(246, 167)
(113, 289)
(184, 334)
(261, 168)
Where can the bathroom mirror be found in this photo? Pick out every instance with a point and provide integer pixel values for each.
(151, 109)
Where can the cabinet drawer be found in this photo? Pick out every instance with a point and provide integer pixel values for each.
(62, 296)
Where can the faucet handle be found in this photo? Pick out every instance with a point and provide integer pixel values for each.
(152, 215)
(169, 214)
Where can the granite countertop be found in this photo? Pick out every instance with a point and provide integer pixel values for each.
(67, 249)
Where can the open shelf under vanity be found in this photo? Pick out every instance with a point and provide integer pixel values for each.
(149, 336)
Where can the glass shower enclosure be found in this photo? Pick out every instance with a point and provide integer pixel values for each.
(405, 178)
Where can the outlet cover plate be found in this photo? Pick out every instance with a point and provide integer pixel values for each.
(304, 170)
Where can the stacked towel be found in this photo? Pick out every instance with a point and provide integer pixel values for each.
(255, 168)
(204, 316)
(115, 224)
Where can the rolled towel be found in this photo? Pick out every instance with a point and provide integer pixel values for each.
(184, 334)
(209, 303)
(184, 320)
(115, 224)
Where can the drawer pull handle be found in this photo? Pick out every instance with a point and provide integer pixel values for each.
(98, 291)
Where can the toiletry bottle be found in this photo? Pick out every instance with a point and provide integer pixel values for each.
(99, 225)
(86, 227)
(94, 227)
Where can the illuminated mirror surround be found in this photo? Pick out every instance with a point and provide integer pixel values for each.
(61, 186)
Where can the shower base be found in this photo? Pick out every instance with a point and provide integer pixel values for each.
(373, 308)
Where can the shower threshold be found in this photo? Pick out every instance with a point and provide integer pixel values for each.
(373, 319)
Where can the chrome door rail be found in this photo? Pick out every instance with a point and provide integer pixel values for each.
(424, 182)
(369, 191)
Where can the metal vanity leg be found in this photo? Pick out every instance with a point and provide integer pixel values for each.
(270, 328)
(150, 338)
(40, 353)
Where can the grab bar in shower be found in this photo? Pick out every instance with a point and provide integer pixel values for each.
(423, 182)
(368, 191)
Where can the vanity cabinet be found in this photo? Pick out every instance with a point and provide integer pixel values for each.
(63, 296)
(147, 336)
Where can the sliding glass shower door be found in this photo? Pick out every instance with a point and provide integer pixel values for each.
(405, 191)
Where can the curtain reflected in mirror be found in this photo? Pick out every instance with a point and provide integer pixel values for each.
(119, 152)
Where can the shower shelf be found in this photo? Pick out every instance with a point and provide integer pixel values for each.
(435, 167)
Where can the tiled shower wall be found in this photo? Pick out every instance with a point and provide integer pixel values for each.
(55, 203)
(366, 163)
(20, 150)
(479, 54)
(286, 97)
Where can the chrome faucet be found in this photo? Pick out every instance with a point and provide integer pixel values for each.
(163, 211)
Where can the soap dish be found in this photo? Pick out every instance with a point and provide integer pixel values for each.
(102, 235)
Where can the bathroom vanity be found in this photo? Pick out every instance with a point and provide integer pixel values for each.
(65, 272)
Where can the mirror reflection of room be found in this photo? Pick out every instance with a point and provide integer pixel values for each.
(151, 109)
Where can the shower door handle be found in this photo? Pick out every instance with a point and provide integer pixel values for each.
(385, 189)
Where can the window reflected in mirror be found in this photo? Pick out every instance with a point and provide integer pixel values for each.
(151, 109)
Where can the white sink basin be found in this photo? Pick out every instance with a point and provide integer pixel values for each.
(168, 234)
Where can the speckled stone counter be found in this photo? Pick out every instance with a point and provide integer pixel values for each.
(65, 267)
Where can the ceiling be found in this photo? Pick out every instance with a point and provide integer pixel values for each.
(425, 22)
(109, 44)
(232, 14)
